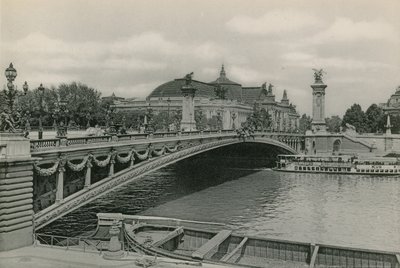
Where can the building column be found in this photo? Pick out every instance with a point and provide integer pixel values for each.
(188, 122)
(60, 182)
(112, 162)
(88, 175)
(132, 162)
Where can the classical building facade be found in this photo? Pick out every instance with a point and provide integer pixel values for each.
(231, 109)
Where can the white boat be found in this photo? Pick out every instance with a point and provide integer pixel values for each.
(338, 164)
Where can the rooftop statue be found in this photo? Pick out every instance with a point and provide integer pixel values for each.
(270, 88)
(318, 74)
(188, 79)
(264, 89)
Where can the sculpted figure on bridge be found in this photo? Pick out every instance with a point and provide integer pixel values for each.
(6, 123)
(318, 74)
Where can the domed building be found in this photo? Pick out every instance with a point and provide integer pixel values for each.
(392, 106)
(221, 101)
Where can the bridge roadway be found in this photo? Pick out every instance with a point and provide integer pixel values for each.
(138, 153)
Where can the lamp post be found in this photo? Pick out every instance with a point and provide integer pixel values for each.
(219, 120)
(168, 119)
(190, 128)
(148, 119)
(40, 131)
(110, 122)
(88, 117)
(11, 117)
(233, 120)
(61, 114)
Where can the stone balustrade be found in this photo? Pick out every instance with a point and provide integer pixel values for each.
(46, 144)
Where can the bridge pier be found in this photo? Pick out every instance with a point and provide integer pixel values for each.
(16, 192)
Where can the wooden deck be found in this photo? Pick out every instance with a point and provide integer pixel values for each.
(212, 243)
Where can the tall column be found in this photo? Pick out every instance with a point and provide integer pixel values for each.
(60, 182)
(188, 91)
(16, 192)
(318, 122)
(112, 162)
(88, 176)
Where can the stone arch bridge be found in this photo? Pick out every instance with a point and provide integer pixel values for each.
(65, 173)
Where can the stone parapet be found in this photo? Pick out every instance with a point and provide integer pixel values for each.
(16, 192)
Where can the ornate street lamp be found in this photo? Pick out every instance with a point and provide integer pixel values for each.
(168, 119)
(219, 121)
(233, 120)
(88, 117)
(61, 115)
(110, 122)
(148, 119)
(41, 93)
(10, 118)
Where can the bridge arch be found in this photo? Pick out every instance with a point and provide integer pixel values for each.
(148, 164)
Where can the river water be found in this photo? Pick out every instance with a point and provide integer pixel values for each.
(353, 211)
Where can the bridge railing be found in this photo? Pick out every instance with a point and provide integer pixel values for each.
(46, 144)
(70, 243)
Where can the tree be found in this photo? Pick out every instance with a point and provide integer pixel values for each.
(305, 123)
(376, 118)
(356, 117)
(36, 103)
(333, 123)
(81, 100)
(160, 121)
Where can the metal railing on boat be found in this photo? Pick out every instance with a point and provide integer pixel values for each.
(70, 243)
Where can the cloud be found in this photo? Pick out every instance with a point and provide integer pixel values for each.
(300, 59)
(245, 75)
(148, 43)
(297, 56)
(208, 51)
(347, 30)
(273, 22)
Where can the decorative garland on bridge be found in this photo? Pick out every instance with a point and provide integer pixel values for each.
(142, 156)
(126, 159)
(160, 152)
(81, 165)
(46, 171)
(173, 150)
(102, 163)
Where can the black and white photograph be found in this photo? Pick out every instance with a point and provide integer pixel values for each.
(200, 133)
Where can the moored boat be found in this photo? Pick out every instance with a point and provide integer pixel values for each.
(338, 164)
(215, 243)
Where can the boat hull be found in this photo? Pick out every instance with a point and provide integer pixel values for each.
(214, 243)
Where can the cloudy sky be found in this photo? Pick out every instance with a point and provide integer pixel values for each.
(130, 47)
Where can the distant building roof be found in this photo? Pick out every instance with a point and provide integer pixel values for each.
(112, 97)
(235, 91)
(223, 80)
